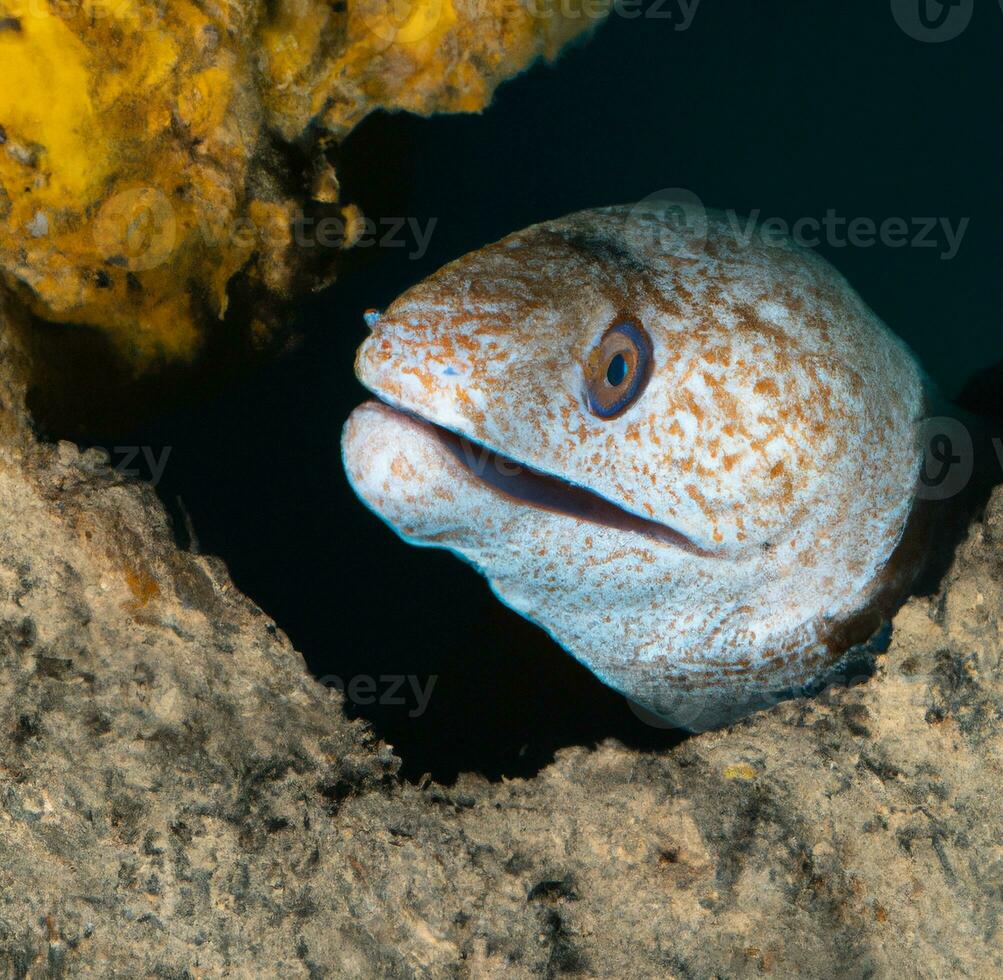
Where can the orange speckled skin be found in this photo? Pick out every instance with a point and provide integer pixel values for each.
(779, 433)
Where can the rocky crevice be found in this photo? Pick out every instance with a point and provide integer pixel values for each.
(179, 798)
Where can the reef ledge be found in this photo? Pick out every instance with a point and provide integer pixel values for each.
(180, 798)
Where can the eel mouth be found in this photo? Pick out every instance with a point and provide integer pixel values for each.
(521, 483)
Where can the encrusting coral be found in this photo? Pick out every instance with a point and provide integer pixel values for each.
(142, 145)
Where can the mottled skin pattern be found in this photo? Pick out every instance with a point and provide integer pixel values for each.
(778, 433)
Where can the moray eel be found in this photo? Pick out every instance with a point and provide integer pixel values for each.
(690, 458)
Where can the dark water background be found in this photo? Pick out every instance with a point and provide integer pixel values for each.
(791, 109)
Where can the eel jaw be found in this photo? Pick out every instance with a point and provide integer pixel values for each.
(516, 483)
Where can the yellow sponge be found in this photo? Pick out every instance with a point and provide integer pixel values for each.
(137, 138)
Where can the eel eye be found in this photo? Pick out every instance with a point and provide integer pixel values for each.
(618, 369)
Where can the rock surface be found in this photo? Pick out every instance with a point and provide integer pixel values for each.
(179, 798)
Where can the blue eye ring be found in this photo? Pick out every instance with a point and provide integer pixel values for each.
(618, 369)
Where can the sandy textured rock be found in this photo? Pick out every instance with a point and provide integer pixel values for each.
(178, 798)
